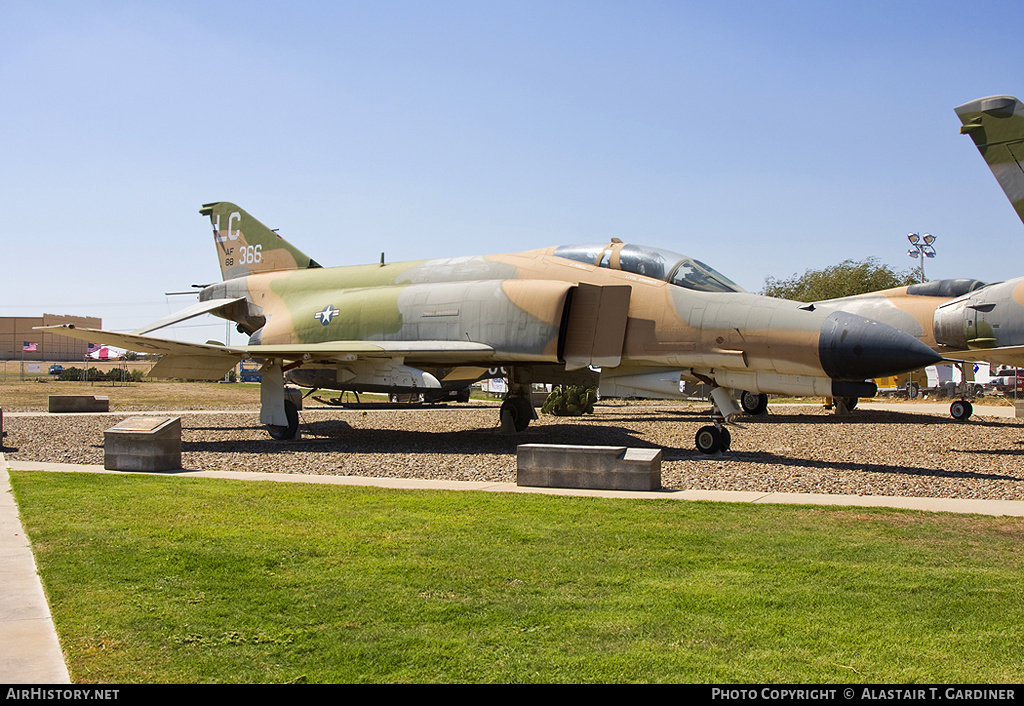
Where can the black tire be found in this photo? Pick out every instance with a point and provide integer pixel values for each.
(754, 403)
(286, 433)
(961, 410)
(851, 403)
(708, 439)
(520, 411)
(726, 439)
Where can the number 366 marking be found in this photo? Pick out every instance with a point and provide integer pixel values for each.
(250, 254)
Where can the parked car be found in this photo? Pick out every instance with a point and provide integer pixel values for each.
(1005, 379)
(56, 369)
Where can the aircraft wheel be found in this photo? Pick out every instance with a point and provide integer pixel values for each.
(961, 410)
(519, 410)
(754, 403)
(288, 432)
(709, 439)
(726, 438)
(851, 403)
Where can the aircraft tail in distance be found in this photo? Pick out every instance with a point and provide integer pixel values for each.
(996, 124)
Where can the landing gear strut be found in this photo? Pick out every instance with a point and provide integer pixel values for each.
(517, 410)
(716, 437)
(961, 409)
(277, 411)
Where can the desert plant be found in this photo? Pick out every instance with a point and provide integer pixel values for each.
(570, 401)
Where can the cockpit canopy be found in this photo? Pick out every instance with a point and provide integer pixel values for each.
(651, 262)
(945, 287)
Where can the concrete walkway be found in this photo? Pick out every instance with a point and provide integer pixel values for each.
(30, 652)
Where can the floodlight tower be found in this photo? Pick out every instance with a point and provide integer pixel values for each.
(921, 247)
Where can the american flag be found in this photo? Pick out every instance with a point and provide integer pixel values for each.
(28, 346)
(92, 347)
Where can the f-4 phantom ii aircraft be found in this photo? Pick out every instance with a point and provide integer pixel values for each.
(964, 319)
(641, 315)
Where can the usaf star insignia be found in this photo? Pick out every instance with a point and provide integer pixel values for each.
(327, 314)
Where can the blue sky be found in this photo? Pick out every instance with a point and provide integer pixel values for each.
(763, 138)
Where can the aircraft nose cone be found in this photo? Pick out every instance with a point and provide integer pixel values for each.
(852, 347)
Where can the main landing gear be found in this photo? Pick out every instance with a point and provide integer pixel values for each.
(754, 403)
(279, 408)
(517, 410)
(287, 431)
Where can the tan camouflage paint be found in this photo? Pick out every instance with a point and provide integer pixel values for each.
(907, 312)
(240, 254)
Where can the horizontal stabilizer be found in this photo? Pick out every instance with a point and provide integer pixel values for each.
(207, 307)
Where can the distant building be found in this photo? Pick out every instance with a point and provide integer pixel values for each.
(18, 340)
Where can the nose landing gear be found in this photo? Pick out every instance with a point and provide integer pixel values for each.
(716, 437)
(713, 438)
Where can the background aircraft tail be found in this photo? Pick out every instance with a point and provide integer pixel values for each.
(245, 246)
(996, 124)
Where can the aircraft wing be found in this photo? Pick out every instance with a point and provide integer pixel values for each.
(1012, 356)
(349, 350)
(144, 344)
(196, 361)
(204, 361)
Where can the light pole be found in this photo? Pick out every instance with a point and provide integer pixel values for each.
(921, 247)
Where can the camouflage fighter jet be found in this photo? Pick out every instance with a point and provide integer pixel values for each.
(962, 319)
(645, 317)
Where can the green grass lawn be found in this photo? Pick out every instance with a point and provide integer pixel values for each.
(162, 579)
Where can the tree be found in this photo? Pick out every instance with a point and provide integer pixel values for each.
(843, 280)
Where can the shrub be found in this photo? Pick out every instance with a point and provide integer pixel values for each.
(570, 401)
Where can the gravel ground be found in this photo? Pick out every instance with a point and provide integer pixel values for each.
(800, 449)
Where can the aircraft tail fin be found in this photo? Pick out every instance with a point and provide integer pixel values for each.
(245, 246)
(996, 124)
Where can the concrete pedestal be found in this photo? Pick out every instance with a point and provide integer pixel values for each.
(143, 444)
(78, 403)
(588, 467)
